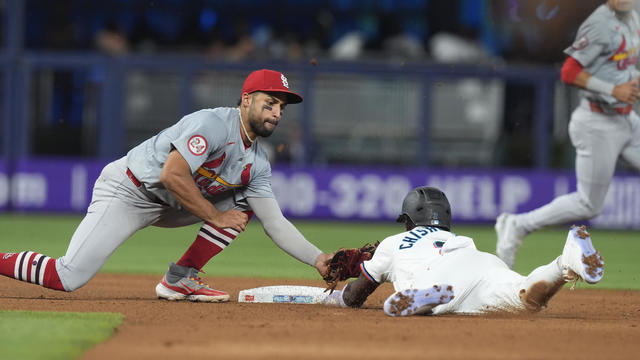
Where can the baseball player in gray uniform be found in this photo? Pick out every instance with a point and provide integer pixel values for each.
(602, 62)
(209, 167)
(435, 271)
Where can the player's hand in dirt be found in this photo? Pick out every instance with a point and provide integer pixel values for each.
(627, 92)
(322, 263)
(234, 219)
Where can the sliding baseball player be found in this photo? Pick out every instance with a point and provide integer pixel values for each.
(435, 271)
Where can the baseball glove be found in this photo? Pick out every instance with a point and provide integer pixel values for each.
(345, 264)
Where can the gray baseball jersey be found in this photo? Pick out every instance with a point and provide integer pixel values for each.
(209, 140)
(607, 48)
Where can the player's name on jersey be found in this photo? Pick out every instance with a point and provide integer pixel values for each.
(415, 235)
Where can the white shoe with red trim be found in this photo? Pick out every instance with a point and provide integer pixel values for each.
(182, 283)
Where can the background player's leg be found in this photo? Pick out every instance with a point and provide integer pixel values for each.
(598, 140)
(631, 152)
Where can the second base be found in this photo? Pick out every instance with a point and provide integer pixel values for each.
(286, 294)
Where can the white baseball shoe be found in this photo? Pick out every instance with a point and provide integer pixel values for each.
(580, 258)
(509, 238)
(417, 301)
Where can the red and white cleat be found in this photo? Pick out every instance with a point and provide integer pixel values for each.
(182, 283)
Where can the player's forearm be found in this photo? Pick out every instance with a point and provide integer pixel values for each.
(176, 177)
(626, 92)
(188, 195)
(289, 239)
(357, 291)
(582, 79)
(574, 74)
(282, 232)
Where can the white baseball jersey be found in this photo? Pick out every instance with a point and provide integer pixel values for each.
(209, 140)
(607, 48)
(426, 256)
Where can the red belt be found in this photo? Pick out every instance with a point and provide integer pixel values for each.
(620, 110)
(133, 178)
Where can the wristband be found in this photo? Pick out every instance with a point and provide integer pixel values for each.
(335, 299)
(599, 86)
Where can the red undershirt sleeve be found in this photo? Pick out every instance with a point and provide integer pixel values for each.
(570, 70)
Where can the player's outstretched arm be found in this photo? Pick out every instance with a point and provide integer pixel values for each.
(176, 177)
(285, 235)
(353, 295)
(357, 291)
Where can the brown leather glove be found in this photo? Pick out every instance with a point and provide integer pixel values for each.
(345, 264)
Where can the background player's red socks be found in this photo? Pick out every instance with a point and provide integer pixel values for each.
(29, 266)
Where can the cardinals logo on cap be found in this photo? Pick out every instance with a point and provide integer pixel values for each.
(285, 83)
(270, 81)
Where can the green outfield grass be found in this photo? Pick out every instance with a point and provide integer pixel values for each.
(39, 335)
(253, 254)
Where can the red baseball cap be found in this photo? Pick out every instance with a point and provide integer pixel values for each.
(270, 81)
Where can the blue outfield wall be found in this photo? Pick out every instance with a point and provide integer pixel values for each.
(338, 192)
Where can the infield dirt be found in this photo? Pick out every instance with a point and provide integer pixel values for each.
(579, 324)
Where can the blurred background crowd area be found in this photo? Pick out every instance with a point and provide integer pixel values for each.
(454, 83)
(296, 30)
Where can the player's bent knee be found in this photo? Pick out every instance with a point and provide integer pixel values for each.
(593, 212)
(75, 283)
(589, 209)
(72, 279)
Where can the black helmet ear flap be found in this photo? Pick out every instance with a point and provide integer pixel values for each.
(406, 220)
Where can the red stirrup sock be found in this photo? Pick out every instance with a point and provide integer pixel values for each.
(209, 242)
(29, 266)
